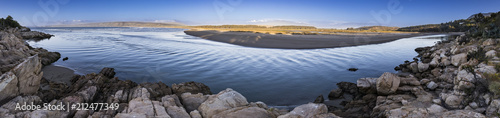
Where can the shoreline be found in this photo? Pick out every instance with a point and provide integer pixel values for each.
(280, 41)
(429, 90)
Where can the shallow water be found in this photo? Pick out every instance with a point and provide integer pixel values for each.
(278, 77)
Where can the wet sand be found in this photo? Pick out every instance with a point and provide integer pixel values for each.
(300, 41)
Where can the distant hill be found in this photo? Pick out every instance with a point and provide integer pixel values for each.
(122, 24)
(486, 25)
(377, 28)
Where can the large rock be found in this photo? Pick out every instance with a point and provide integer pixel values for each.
(462, 114)
(35, 35)
(8, 86)
(489, 42)
(244, 112)
(177, 112)
(310, 110)
(224, 100)
(494, 108)
(491, 53)
(422, 67)
(191, 87)
(192, 101)
(388, 83)
(407, 113)
(141, 106)
(483, 68)
(464, 80)
(367, 85)
(458, 59)
(23, 79)
(454, 101)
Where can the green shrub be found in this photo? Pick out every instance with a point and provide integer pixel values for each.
(479, 55)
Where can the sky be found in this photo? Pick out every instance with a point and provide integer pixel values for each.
(319, 13)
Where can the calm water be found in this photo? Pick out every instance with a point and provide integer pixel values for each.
(278, 77)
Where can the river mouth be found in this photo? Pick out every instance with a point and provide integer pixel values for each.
(278, 77)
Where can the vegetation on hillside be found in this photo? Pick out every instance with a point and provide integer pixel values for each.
(478, 25)
(375, 28)
(9, 22)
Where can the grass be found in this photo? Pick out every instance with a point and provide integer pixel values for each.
(494, 82)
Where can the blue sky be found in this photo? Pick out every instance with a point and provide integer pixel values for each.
(319, 13)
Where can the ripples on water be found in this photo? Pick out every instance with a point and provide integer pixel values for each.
(279, 77)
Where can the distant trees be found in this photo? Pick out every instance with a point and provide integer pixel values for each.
(9, 22)
(478, 25)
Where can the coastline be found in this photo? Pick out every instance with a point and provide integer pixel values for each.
(428, 90)
(300, 41)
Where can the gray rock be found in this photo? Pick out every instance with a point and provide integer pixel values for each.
(445, 61)
(388, 83)
(192, 101)
(195, 114)
(489, 42)
(494, 108)
(177, 112)
(244, 112)
(191, 87)
(431, 85)
(453, 101)
(407, 112)
(8, 86)
(171, 100)
(130, 115)
(259, 104)
(458, 59)
(141, 106)
(306, 111)
(422, 67)
(491, 53)
(224, 100)
(462, 114)
(483, 68)
(436, 109)
(436, 101)
(367, 85)
(413, 67)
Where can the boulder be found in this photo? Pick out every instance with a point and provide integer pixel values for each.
(494, 108)
(319, 99)
(491, 53)
(157, 89)
(422, 66)
(108, 72)
(195, 114)
(483, 68)
(435, 61)
(458, 59)
(191, 87)
(177, 112)
(489, 42)
(192, 101)
(445, 61)
(462, 114)
(454, 101)
(141, 106)
(388, 83)
(29, 74)
(171, 100)
(306, 111)
(367, 85)
(432, 85)
(224, 100)
(413, 67)
(334, 94)
(8, 86)
(244, 112)
(406, 112)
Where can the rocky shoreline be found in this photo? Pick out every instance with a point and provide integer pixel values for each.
(450, 79)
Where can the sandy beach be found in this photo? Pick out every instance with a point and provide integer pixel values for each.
(300, 41)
